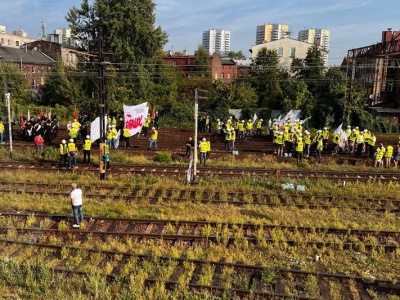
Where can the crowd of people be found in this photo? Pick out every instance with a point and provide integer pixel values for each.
(204, 147)
(290, 139)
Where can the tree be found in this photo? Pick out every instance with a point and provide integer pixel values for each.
(60, 88)
(295, 96)
(202, 66)
(243, 95)
(11, 76)
(311, 69)
(127, 27)
(236, 55)
(332, 100)
(266, 75)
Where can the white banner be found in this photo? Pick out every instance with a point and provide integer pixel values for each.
(237, 113)
(135, 117)
(95, 128)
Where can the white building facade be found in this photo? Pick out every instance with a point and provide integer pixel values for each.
(319, 37)
(217, 41)
(287, 49)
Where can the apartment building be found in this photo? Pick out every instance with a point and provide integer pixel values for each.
(319, 37)
(217, 41)
(271, 32)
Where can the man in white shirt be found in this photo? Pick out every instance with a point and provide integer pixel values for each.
(76, 201)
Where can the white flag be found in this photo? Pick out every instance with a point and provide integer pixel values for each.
(343, 139)
(95, 128)
(338, 130)
(303, 121)
(135, 116)
(254, 118)
(288, 116)
(117, 137)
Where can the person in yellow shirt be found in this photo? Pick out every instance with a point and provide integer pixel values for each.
(228, 139)
(278, 142)
(62, 163)
(114, 134)
(126, 134)
(307, 143)
(87, 145)
(249, 129)
(77, 126)
(233, 138)
(153, 139)
(73, 133)
(146, 125)
(299, 147)
(203, 145)
(320, 147)
(380, 152)
(259, 127)
(72, 152)
(388, 156)
(109, 134)
(1, 132)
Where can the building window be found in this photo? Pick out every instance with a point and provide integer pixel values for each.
(33, 70)
(292, 52)
(9, 42)
(17, 43)
(280, 51)
(222, 75)
(2, 41)
(174, 63)
(229, 75)
(34, 82)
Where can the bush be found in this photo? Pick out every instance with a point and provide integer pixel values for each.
(51, 153)
(163, 157)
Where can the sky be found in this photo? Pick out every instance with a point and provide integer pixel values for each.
(353, 23)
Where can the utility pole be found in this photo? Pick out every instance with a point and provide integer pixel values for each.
(8, 100)
(103, 162)
(102, 96)
(197, 96)
(8, 103)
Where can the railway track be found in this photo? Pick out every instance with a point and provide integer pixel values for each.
(223, 172)
(237, 198)
(239, 280)
(44, 227)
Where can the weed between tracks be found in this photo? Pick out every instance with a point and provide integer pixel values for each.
(371, 264)
(165, 157)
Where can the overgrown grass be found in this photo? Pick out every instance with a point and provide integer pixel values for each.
(277, 254)
(165, 157)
